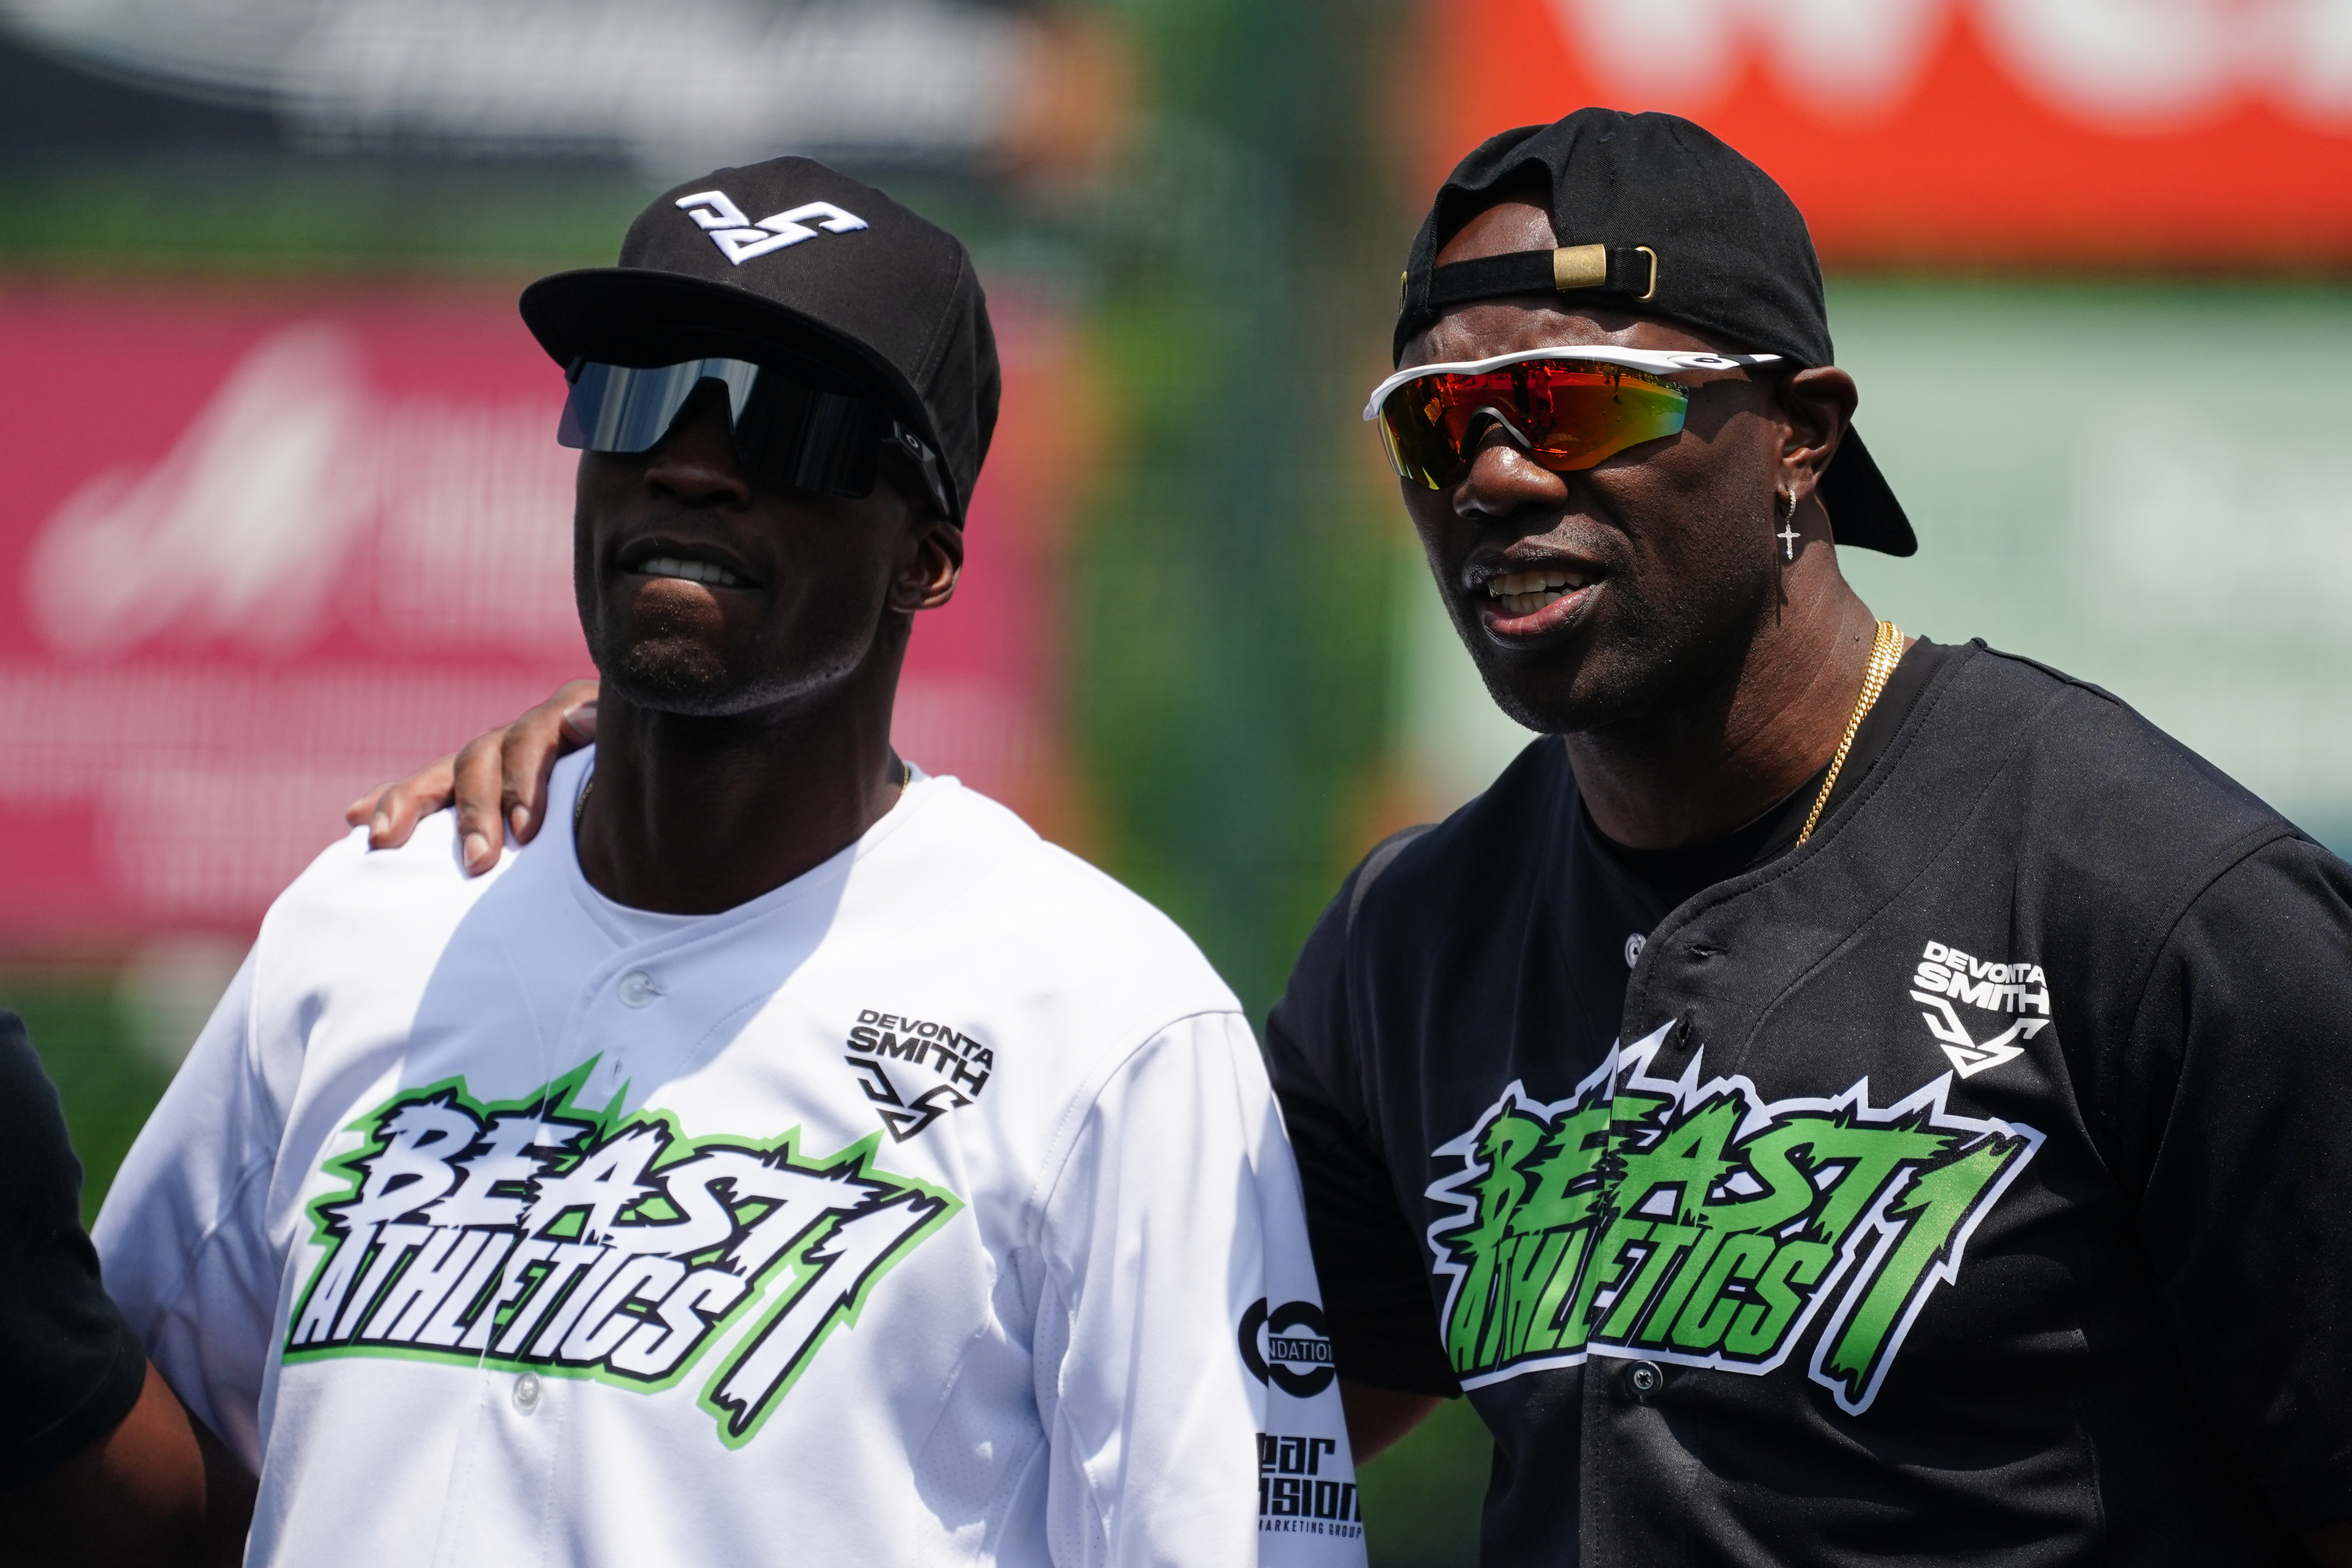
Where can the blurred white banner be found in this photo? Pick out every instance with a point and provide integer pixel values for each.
(671, 84)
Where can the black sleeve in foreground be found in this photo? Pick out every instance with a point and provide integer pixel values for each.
(2247, 1211)
(70, 1368)
(1384, 1329)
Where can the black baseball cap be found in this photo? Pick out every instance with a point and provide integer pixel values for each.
(1655, 215)
(789, 259)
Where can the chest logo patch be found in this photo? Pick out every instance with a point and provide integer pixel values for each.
(535, 1234)
(1695, 1223)
(938, 1069)
(1947, 975)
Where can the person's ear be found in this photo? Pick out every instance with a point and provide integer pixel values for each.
(927, 579)
(1818, 406)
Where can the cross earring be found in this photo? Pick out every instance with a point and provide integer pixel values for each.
(1788, 536)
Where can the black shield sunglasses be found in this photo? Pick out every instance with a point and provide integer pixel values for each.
(787, 433)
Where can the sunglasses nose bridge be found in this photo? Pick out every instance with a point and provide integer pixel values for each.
(1473, 430)
(696, 397)
(1502, 480)
(691, 452)
(733, 390)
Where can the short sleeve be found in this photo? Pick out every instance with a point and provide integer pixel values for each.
(2237, 1097)
(1375, 1284)
(1184, 1375)
(182, 1234)
(70, 1368)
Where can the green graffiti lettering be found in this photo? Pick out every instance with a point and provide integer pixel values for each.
(1756, 1330)
(1935, 1207)
(1711, 1309)
(1772, 1160)
(1608, 1265)
(1535, 1264)
(1667, 1244)
(1472, 1331)
(1687, 1157)
(611, 1247)
(1566, 1170)
(1871, 1156)
(1564, 1241)
(1661, 1319)
(1562, 1329)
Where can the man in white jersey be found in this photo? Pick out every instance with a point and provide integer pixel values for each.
(785, 1156)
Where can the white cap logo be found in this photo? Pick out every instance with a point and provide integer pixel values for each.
(739, 239)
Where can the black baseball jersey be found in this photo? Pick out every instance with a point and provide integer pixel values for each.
(70, 1368)
(1968, 1184)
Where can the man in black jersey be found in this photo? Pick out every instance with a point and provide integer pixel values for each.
(1811, 1129)
(1834, 1099)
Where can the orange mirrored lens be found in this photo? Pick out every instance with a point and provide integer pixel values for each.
(1566, 414)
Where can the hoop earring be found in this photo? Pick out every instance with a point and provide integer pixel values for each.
(1788, 536)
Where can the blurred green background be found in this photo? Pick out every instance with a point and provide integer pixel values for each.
(1258, 685)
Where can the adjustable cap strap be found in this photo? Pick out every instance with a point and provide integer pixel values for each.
(1628, 269)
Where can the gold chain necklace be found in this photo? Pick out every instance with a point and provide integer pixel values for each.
(1885, 653)
(579, 806)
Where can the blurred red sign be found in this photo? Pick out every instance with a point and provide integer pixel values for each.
(262, 552)
(1958, 132)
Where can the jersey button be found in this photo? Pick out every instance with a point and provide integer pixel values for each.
(1644, 1378)
(526, 1393)
(637, 988)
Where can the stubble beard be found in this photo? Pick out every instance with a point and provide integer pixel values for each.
(670, 667)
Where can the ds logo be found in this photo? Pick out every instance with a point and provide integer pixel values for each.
(739, 239)
(1289, 1347)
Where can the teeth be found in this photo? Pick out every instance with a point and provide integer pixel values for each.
(1517, 582)
(1525, 593)
(692, 571)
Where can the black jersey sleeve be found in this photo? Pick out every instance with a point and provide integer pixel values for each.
(1375, 1292)
(70, 1368)
(2238, 1098)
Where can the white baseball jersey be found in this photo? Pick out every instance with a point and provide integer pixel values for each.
(933, 1207)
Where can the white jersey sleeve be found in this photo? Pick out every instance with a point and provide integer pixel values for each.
(1183, 1373)
(187, 1256)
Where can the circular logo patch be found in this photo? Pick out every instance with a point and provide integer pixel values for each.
(1289, 1347)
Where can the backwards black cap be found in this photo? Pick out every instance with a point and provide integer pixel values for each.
(791, 255)
(1653, 215)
